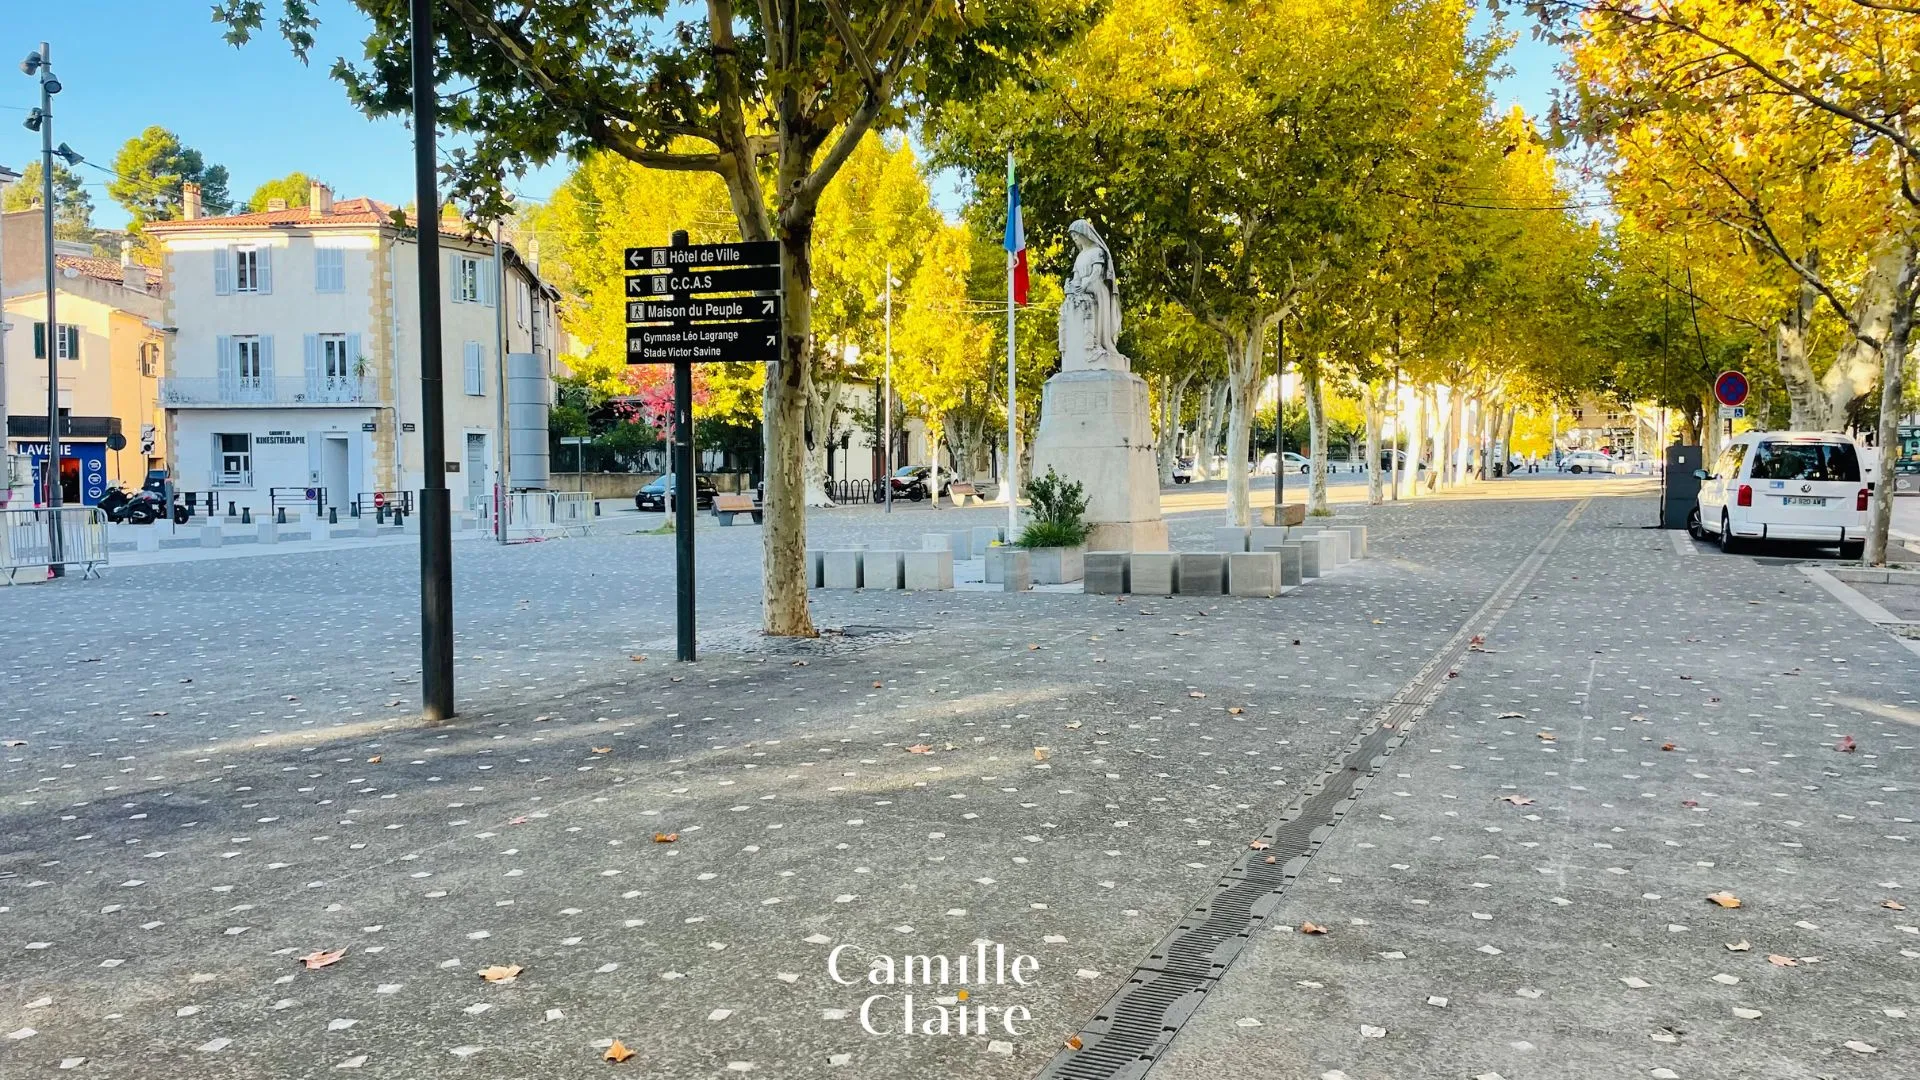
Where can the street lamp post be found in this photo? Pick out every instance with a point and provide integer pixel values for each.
(1279, 420)
(436, 539)
(886, 455)
(40, 64)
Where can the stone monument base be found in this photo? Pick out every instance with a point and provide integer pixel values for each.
(1096, 428)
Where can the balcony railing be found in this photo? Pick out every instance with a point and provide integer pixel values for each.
(290, 391)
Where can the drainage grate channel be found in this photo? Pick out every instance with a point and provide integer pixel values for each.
(1129, 1033)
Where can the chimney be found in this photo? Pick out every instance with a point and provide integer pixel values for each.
(319, 199)
(276, 204)
(132, 274)
(190, 201)
(126, 254)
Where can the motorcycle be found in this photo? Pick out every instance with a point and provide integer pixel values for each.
(133, 507)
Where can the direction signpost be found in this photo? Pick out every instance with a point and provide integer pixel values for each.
(677, 314)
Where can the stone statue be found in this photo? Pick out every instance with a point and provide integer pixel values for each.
(1090, 312)
(1095, 422)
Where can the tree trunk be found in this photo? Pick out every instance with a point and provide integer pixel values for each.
(1858, 364)
(1375, 490)
(1807, 404)
(1172, 396)
(1893, 353)
(1244, 354)
(823, 400)
(1456, 436)
(1419, 441)
(1317, 430)
(783, 569)
(1212, 418)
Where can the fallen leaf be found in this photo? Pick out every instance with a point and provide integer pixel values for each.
(665, 837)
(322, 958)
(1259, 845)
(374, 760)
(618, 1052)
(1666, 746)
(1511, 716)
(1270, 860)
(1739, 946)
(1311, 928)
(637, 657)
(1546, 736)
(1782, 961)
(919, 748)
(603, 749)
(1517, 800)
(1845, 745)
(796, 663)
(1689, 802)
(1894, 905)
(517, 821)
(1235, 710)
(1724, 899)
(14, 742)
(1196, 693)
(500, 973)
(876, 684)
(1032, 647)
(1074, 725)
(1073, 1042)
(1040, 753)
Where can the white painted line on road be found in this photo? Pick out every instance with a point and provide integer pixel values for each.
(1682, 543)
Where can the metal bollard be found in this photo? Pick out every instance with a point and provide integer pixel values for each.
(246, 515)
(596, 508)
(353, 508)
(380, 514)
(230, 508)
(333, 515)
(280, 515)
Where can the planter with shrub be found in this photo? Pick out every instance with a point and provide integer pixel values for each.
(1056, 533)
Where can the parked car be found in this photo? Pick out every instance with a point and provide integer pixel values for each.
(1407, 463)
(910, 482)
(658, 495)
(1785, 485)
(1183, 470)
(1587, 461)
(1295, 463)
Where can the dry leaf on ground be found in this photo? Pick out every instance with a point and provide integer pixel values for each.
(1666, 746)
(1547, 736)
(500, 973)
(1517, 800)
(919, 748)
(1894, 905)
(618, 1052)
(665, 837)
(1739, 946)
(1259, 845)
(1235, 710)
(1782, 961)
(1040, 753)
(603, 749)
(1724, 899)
(322, 957)
(1312, 928)
(1845, 745)
(1073, 1042)
(374, 760)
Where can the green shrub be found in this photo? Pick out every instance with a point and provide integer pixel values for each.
(1059, 508)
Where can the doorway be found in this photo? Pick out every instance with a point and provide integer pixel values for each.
(476, 467)
(333, 471)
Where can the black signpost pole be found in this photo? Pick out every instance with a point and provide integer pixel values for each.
(683, 493)
(436, 520)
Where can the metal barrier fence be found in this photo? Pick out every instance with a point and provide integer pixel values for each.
(278, 497)
(371, 503)
(567, 511)
(26, 539)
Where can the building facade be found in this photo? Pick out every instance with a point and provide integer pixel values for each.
(110, 346)
(294, 374)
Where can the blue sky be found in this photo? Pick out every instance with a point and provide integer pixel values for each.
(258, 111)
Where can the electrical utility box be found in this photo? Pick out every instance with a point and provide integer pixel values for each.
(1681, 488)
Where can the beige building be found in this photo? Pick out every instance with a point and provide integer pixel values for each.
(110, 345)
(295, 374)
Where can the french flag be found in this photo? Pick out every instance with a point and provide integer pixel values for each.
(1016, 243)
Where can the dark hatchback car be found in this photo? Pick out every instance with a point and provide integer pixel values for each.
(659, 494)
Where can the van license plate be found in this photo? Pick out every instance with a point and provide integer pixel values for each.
(1803, 500)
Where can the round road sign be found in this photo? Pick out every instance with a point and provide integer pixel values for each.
(1730, 388)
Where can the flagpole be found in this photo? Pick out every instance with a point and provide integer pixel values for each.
(1013, 459)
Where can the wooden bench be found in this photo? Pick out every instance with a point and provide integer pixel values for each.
(962, 492)
(725, 506)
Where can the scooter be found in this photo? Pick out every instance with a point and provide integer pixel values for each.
(134, 508)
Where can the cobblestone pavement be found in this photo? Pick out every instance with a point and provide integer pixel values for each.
(210, 773)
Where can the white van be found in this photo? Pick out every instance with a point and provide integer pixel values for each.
(1785, 485)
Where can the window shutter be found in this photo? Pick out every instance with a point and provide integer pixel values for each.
(473, 367)
(223, 359)
(266, 361)
(222, 271)
(489, 285)
(454, 285)
(39, 341)
(311, 344)
(72, 334)
(265, 256)
(329, 270)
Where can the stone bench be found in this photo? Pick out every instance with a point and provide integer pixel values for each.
(1154, 573)
(927, 571)
(1253, 573)
(1289, 514)
(962, 492)
(1106, 572)
(1202, 573)
(881, 569)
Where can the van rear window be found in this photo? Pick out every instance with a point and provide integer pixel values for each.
(1806, 461)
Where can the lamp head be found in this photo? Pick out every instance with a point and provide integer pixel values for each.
(31, 64)
(69, 155)
(48, 83)
(34, 119)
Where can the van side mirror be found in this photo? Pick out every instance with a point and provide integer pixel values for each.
(1702, 474)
